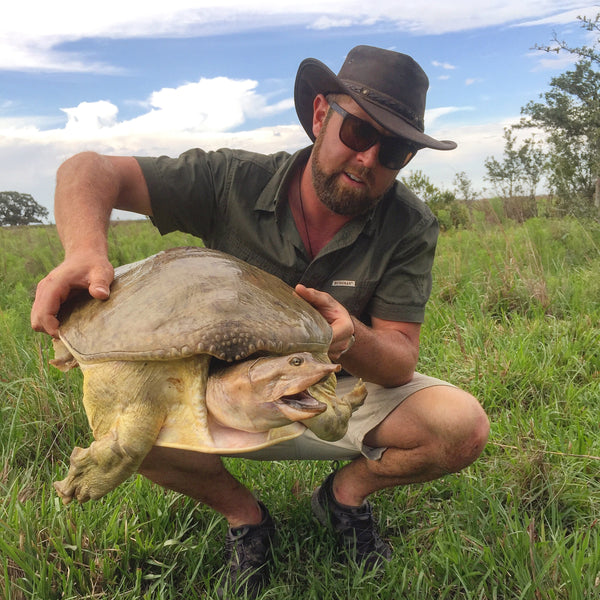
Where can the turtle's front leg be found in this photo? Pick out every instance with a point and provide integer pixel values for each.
(333, 423)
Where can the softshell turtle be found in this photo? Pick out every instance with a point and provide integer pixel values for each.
(197, 350)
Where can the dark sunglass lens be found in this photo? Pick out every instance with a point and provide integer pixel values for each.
(395, 155)
(357, 134)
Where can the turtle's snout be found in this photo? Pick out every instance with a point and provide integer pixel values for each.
(327, 375)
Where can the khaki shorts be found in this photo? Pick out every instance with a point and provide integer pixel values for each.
(379, 403)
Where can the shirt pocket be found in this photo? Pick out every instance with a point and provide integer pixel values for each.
(354, 295)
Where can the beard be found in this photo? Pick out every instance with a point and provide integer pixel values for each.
(337, 198)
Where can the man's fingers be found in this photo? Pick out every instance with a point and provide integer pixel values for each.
(320, 300)
(43, 313)
(55, 288)
(101, 291)
(100, 280)
(302, 291)
(45, 324)
(336, 315)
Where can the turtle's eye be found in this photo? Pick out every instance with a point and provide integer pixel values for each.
(296, 361)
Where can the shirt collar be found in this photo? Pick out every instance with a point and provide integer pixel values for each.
(274, 195)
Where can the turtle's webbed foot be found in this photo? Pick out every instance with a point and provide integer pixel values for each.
(97, 470)
(333, 423)
(74, 485)
(355, 398)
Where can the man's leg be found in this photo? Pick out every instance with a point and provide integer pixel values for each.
(203, 478)
(435, 431)
(248, 543)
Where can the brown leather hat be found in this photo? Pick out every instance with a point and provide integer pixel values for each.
(389, 86)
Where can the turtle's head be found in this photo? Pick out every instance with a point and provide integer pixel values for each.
(285, 381)
(267, 392)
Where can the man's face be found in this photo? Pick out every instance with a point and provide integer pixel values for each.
(347, 182)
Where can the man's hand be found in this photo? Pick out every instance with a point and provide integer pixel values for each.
(385, 353)
(93, 273)
(336, 315)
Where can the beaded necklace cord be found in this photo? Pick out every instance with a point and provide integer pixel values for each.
(310, 250)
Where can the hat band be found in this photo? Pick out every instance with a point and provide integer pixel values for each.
(387, 102)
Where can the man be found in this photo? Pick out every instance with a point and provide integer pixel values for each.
(333, 220)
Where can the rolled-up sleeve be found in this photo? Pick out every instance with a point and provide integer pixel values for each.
(184, 191)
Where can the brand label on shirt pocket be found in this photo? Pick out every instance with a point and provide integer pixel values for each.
(343, 283)
(354, 295)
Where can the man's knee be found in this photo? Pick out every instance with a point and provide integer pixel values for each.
(471, 428)
(445, 427)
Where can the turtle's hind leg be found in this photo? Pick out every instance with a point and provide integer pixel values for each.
(125, 417)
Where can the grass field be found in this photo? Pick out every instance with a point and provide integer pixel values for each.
(514, 318)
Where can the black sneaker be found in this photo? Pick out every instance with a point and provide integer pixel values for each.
(248, 552)
(354, 526)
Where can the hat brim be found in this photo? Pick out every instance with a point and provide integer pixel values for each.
(315, 78)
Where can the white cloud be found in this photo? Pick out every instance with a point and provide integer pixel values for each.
(564, 17)
(175, 119)
(433, 114)
(202, 113)
(552, 61)
(443, 65)
(206, 106)
(475, 144)
(327, 22)
(217, 104)
(32, 34)
(89, 117)
(20, 51)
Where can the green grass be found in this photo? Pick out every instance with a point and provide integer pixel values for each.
(514, 318)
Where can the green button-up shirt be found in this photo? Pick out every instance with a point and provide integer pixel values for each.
(378, 264)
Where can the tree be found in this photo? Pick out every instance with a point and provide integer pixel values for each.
(464, 187)
(570, 115)
(506, 177)
(535, 163)
(521, 170)
(421, 185)
(442, 203)
(591, 53)
(20, 209)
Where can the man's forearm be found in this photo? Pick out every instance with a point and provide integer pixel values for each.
(86, 192)
(386, 357)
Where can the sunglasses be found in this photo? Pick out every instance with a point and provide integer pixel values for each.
(394, 152)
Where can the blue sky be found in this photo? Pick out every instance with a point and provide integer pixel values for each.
(160, 77)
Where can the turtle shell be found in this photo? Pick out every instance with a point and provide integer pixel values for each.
(188, 301)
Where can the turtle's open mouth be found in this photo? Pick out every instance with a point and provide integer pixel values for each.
(301, 402)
